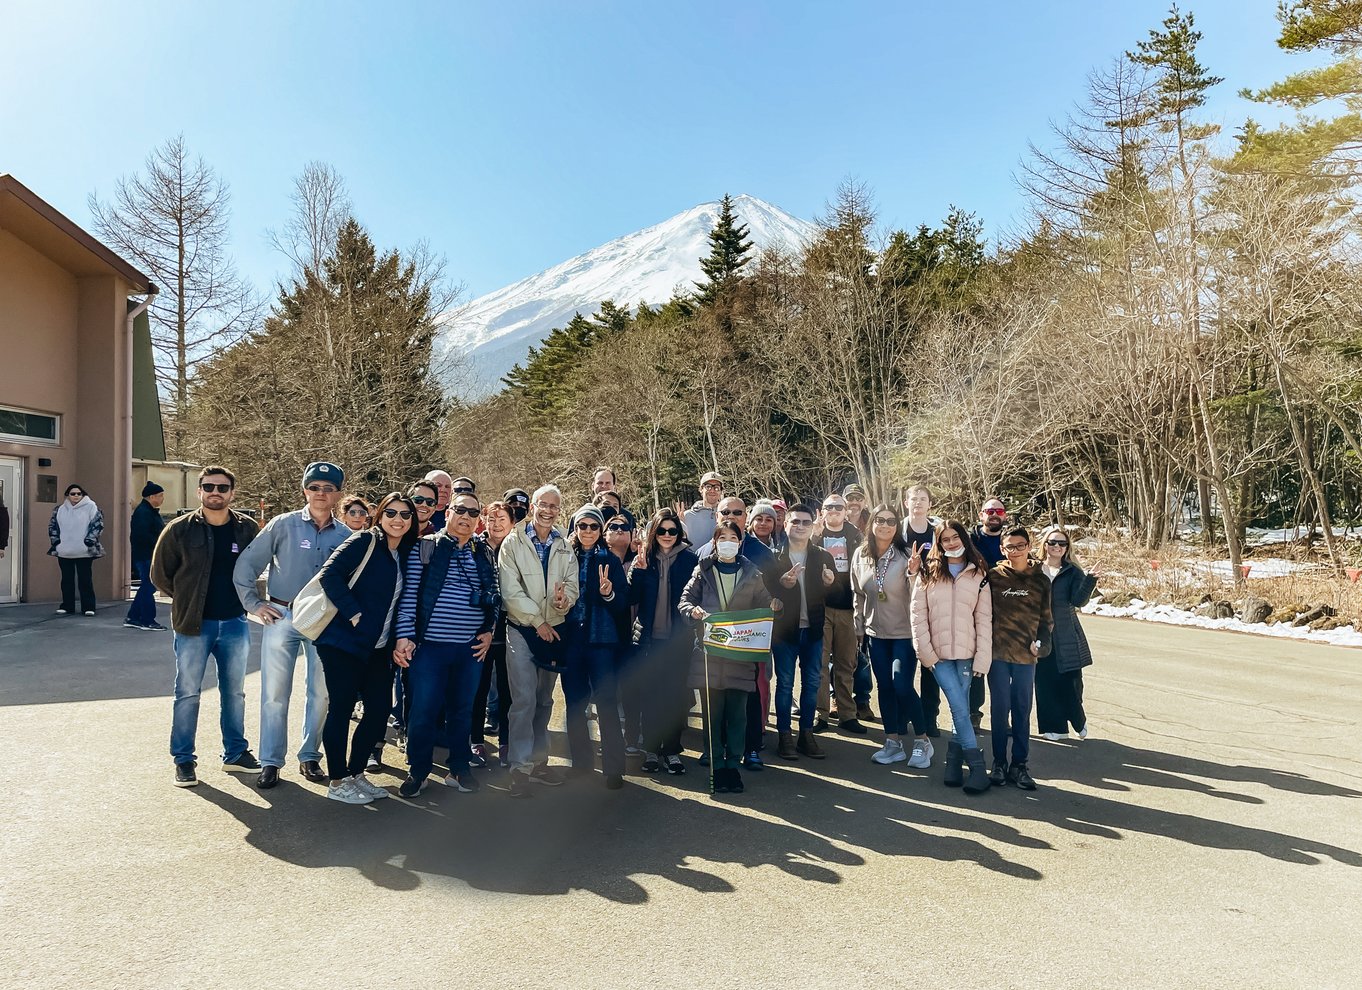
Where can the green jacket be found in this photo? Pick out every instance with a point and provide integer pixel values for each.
(183, 560)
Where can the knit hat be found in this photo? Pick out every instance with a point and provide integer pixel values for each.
(851, 490)
(588, 512)
(324, 471)
(151, 488)
(762, 508)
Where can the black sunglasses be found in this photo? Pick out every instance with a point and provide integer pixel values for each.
(668, 531)
(356, 510)
(885, 521)
(619, 528)
(208, 486)
(730, 512)
(463, 491)
(421, 500)
(396, 513)
(588, 527)
(1056, 543)
(464, 510)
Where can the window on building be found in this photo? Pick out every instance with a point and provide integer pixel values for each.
(22, 426)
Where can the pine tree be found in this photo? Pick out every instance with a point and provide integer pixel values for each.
(730, 249)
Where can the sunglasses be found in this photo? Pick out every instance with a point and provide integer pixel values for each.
(614, 528)
(730, 512)
(995, 512)
(885, 521)
(209, 487)
(421, 500)
(356, 511)
(463, 491)
(1056, 543)
(465, 510)
(668, 531)
(321, 489)
(587, 527)
(834, 507)
(397, 513)
(801, 522)
(76, 494)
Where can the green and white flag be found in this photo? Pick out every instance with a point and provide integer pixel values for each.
(740, 635)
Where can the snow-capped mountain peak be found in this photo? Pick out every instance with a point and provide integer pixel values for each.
(495, 332)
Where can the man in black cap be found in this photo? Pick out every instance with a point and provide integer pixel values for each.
(143, 531)
(518, 501)
(290, 550)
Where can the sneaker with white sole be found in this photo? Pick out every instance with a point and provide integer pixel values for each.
(366, 786)
(464, 783)
(347, 792)
(922, 754)
(1083, 732)
(890, 752)
(1055, 736)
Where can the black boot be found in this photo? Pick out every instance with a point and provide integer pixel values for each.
(978, 774)
(954, 756)
(999, 774)
(1019, 775)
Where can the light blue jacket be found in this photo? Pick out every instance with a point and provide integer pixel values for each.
(292, 549)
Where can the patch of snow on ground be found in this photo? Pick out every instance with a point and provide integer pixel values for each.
(1259, 567)
(1170, 615)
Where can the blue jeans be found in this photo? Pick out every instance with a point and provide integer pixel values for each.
(895, 662)
(590, 676)
(954, 677)
(1011, 687)
(142, 611)
(278, 654)
(443, 677)
(808, 651)
(229, 642)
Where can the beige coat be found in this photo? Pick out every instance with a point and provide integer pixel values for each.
(528, 600)
(887, 619)
(953, 620)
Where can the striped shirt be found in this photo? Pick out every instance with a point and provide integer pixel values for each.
(454, 619)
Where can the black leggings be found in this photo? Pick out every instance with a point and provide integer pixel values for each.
(76, 570)
(350, 677)
(494, 664)
(663, 668)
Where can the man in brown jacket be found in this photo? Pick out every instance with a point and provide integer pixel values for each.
(1022, 625)
(193, 563)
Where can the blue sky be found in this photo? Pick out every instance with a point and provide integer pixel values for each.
(513, 135)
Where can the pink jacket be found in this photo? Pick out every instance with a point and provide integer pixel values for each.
(953, 620)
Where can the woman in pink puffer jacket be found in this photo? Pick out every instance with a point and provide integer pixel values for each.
(952, 619)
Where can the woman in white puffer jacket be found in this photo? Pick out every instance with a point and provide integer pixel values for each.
(952, 621)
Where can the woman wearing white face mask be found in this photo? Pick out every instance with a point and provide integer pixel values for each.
(724, 582)
(952, 623)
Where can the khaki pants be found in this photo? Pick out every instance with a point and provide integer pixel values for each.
(839, 654)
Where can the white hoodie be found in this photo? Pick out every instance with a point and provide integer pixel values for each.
(73, 523)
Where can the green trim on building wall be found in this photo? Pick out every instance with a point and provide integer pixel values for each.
(148, 435)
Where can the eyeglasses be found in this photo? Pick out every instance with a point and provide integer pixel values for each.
(588, 527)
(1056, 543)
(465, 510)
(1017, 548)
(209, 487)
(668, 531)
(397, 513)
(730, 512)
(322, 489)
(885, 520)
(995, 512)
(421, 500)
(710, 485)
(619, 528)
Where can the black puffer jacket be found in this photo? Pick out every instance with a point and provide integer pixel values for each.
(1070, 591)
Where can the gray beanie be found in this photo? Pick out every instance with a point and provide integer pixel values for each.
(588, 512)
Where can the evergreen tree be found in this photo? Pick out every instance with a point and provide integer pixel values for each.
(730, 250)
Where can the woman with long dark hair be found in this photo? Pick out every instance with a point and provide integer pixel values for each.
(883, 571)
(363, 579)
(1059, 676)
(656, 581)
(952, 623)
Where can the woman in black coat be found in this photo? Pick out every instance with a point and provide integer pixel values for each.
(666, 642)
(356, 647)
(1059, 676)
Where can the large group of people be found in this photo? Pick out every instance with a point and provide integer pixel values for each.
(434, 620)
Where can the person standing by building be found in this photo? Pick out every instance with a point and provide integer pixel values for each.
(74, 533)
(143, 532)
(363, 579)
(539, 587)
(290, 550)
(193, 562)
(701, 517)
(839, 539)
(952, 622)
(1059, 676)
(445, 621)
(1021, 633)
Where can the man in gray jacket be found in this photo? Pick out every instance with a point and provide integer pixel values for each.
(290, 550)
(701, 518)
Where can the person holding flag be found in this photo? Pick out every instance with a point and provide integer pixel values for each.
(725, 669)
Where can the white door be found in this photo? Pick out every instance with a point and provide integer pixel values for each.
(12, 502)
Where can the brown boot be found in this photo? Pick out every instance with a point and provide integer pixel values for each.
(808, 745)
(786, 748)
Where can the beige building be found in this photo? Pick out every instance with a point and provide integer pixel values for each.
(66, 389)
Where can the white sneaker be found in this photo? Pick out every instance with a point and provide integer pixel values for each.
(347, 792)
(922, 754)
(890, 752)
(1083, 732)
(366, 786)
(1054, 736)
(89, 613)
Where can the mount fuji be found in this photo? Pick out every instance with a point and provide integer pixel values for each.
(496, 331)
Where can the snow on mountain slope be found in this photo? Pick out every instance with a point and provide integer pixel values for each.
(496, 331)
